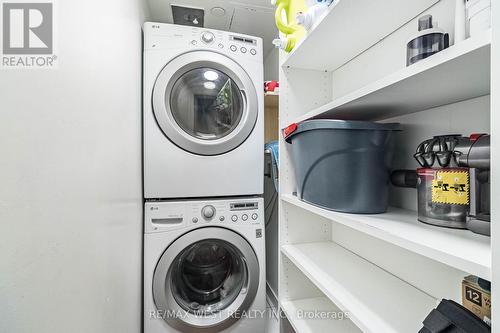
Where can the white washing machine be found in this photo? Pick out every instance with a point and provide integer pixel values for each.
(204, 266)
(203, 113)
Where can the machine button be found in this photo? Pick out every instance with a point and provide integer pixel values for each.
(253, 51)
(193, 42)
(195, 220)
(244, 217)
(233, 48)
(234, 218)
(207, 37)
(221, 46)
(222, 218)
(243, 50)
(208, 212)
(254, 216)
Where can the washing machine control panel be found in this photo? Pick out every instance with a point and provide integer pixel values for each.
(237, 44)
(243, 212)
(167, 215)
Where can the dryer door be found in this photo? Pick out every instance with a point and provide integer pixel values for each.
(205, 103)
(204, 279)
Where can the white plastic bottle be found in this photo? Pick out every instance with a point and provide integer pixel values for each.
(285, 43)
(280, 42)
(316, 9)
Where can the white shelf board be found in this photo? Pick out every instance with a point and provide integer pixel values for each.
(461, 249)
(304, 324)
(456, 74)
(350, 27)
(375, 300)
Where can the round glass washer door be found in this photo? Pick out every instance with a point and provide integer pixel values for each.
(204, 278)
(205, 103)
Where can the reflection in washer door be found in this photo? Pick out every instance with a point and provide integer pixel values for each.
(208, 276)
(206, 103)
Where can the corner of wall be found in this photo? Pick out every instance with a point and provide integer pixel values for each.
(271, 64)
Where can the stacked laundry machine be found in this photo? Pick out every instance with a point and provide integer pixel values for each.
(204, 247)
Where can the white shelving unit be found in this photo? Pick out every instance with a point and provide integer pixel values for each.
(458, 73)
(388, 271)
(457, 248)
(355, 286)
(301, 313)
(340, 36)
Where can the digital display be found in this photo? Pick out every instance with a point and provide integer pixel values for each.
(244, 205)
(244, 40)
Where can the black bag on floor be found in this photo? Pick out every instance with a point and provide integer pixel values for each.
(451, 317)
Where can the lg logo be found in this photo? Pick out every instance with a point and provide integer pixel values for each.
(27, 28)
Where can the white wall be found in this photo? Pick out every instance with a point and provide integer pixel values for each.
(70, 175)
(271, 64)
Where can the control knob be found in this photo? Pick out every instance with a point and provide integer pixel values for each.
(208, 212)
(207, 37)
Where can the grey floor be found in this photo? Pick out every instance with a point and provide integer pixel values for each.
(272, 325)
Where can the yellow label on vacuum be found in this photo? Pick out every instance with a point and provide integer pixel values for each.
(451, 187)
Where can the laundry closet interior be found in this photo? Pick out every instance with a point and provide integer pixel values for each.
(378, 207)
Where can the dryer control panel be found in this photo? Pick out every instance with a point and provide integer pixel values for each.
(161, 36)
(170, 215)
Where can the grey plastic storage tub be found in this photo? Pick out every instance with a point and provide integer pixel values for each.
(342, 165)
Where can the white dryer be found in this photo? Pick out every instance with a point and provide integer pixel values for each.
(203, 113)
(204, 266)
